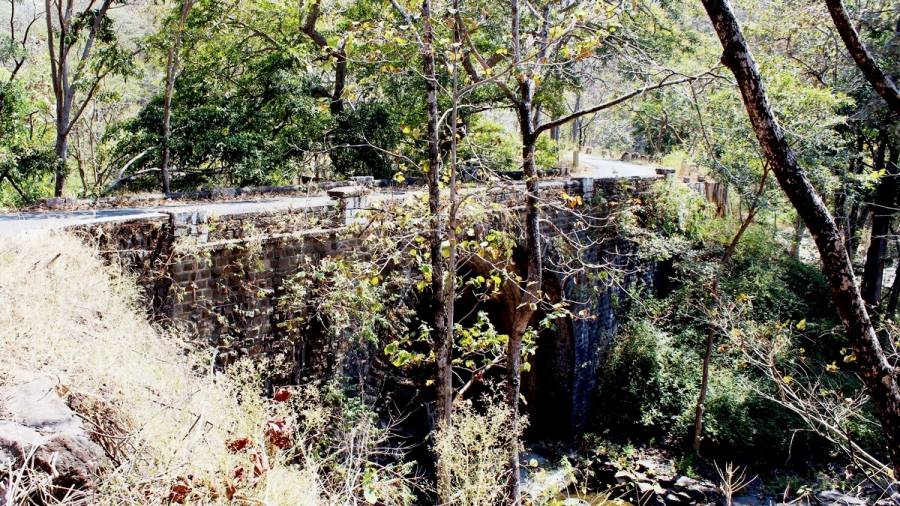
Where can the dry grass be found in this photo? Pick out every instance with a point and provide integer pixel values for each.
(474, 450)
(65, 315)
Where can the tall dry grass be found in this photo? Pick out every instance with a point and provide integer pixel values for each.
(474, 449)
(166, 415)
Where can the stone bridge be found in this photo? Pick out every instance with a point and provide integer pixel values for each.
(189, 259)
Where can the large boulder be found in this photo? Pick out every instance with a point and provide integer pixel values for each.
(40, 432)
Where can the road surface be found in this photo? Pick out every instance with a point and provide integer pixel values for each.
(15, 223)
(47, 220)
(593, 166)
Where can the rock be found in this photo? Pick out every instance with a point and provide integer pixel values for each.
(683, 496)
(37, 405)
(623, 477)
(646, 465)
(749, 500)
(346, 192)
(605, 472)
(541, 479)
(363, 180)
(835, 498)
(38, 427)
(671, 498)
(14, 439)
(646, 488)
(697, 490)
(893, 500)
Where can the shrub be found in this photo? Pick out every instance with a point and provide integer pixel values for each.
(674, 209)
(474, 451)
(489, 146)
(647, 385)
(546, 154)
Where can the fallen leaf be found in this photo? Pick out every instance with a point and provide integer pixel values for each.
(180, 489)
(282, 394)
(238, 445)
(277, 433)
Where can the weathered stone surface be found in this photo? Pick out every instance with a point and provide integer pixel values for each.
(697, 490)
(219, 275)
(38, 429)
(835, 498)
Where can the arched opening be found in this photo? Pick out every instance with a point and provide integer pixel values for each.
(547, 382)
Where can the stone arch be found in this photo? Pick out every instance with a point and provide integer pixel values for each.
(548, 386)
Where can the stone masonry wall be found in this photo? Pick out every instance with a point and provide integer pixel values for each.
(220, 276)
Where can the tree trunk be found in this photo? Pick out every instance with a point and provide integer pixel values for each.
(531, 295)
(62, 154)
(704, 384)
(891, 310)
(879, 377)
(799, 228)
(438, 265)
(883, 211)
(576, 134)
(171, 70)
(864, 60)
(442, 319)
(710, 333)
(167, 113)
(841, 204)
(340, 82)
(64, 87)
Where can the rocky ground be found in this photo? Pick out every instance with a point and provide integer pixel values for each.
(648, 477)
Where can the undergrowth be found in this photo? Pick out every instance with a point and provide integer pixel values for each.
(183, 431)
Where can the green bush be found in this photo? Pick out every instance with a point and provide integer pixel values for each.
(779, 286)
(489, 146)
(674, 209)
(649, 392)
(647, 385)
(546, 154)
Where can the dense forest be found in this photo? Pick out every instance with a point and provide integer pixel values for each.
(755, 351)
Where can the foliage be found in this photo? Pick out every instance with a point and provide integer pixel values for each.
(25, 166)
(364, 138)
(256, 131)
(675, 211)
(546, 153)
(473, 450)
(489, 146)
(647, 384)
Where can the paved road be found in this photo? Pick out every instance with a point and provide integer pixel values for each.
(593, 166)
(46, 220)
(16, 223)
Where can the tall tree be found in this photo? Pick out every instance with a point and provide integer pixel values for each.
(443, 266)
(337, 54)
(884, 207)
(535, 53)
(879, 376)
(67, 27)
(171, 74)
(441, 293)
(883, 84)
